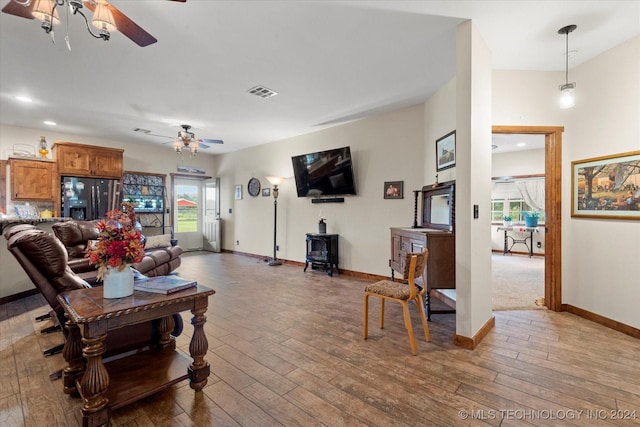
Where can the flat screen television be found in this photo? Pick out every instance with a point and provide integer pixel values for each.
(325, 173)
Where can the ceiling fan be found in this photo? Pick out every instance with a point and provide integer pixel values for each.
(187, 137)
(186, 140)
(106, 17)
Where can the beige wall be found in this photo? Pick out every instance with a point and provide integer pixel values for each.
(388, 147)
(597, 254)
(600, 256)
(473, 180)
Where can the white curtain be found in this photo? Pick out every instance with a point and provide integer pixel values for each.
(532, 192)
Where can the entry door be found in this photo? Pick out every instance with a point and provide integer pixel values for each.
(187, 212)
(212, 239)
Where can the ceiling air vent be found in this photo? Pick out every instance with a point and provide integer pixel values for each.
(262, 92)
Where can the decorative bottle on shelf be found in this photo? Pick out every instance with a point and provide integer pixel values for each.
(322, 226)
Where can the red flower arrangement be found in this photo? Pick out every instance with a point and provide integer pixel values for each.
(119, 242)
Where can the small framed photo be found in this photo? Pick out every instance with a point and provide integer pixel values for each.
(239, 192)
(606, 187)
(266, 192)
(446, 151)
(393, 190)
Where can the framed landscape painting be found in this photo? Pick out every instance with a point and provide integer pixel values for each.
(606, 187)
(446, 151)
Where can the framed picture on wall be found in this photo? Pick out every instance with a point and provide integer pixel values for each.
(266, 192)
(446, 151)
(606, 187)
(393, 189)
(238, 193)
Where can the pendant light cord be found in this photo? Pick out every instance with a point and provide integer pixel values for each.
(566, 68)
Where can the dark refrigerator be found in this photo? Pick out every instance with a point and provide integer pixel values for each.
(89, 198)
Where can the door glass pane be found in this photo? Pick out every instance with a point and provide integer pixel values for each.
(187, 207)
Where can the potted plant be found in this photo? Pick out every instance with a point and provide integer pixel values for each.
(531, 218)
(507, 220)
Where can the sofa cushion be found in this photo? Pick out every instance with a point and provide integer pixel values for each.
(159, 241)
(75, 235)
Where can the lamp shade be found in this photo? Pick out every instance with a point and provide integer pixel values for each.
(567, 100)
(275, 180)
(102, 18)
(44, 11)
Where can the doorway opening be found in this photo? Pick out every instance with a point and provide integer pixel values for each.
(553, 213)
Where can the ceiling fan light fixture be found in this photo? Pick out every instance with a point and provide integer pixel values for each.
(45, 11)
(103, 19)
(567, 99)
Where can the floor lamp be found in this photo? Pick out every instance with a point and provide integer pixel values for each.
(275, 181)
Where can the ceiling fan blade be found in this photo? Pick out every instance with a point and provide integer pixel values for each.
(126, 26)
(13, 8)
(179, 1)
(212, 141)
(201, 145)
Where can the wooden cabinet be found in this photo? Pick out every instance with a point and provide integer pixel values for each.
(441, 264)
(31, 179)
(88, 160)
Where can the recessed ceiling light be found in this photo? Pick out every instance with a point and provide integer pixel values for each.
(521, 144)
(24, 98)
(49, 122)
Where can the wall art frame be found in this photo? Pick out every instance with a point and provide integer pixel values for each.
(394, 189)
(238, 192)
(606, 187)
(266, 192)
(446, 151)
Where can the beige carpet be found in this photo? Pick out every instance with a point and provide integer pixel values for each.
(517, 281)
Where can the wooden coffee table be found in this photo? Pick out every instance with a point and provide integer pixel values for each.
(111, 385)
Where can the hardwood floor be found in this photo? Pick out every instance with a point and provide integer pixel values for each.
(286, 348)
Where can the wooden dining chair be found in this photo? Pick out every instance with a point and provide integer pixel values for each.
(403, 293)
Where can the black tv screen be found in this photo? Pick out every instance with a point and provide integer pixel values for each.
(325, 173)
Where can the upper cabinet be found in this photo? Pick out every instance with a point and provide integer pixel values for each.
(31, 179)
(88, 160)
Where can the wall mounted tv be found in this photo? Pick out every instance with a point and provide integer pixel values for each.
(325, 173)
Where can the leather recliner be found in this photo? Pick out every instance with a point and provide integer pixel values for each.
(75, 236)
(44, 258)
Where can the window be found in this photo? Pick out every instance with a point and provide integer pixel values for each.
(497, 210)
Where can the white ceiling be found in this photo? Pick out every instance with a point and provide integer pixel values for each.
(504, 143)
(330, 62)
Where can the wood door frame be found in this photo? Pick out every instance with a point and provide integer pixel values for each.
(553, 207)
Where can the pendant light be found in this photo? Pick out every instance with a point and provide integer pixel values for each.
(567, 99)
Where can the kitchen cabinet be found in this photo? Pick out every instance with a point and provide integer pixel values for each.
(88, 160)
(31, 179)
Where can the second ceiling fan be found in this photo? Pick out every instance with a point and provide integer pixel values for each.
(106, 17)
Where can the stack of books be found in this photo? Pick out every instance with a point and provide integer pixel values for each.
(163, 284)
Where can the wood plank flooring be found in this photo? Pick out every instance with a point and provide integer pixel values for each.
(286, 348)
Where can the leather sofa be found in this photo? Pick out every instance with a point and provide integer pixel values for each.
(44, 258)
(75, 236)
